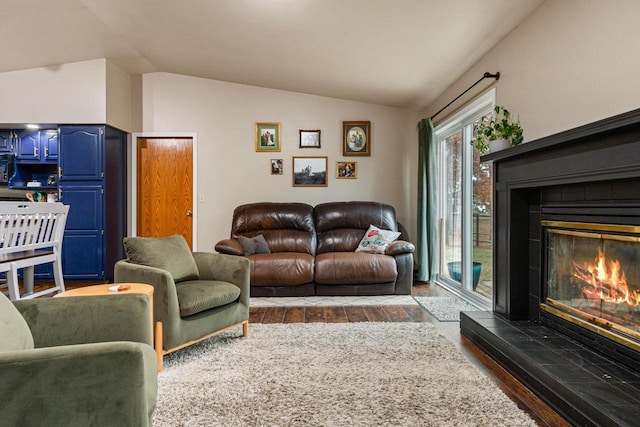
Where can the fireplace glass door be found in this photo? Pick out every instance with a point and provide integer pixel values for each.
(595, 275)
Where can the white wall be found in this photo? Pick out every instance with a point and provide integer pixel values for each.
(67, 93)
(231, 172)
(570, 63)
(119, 103)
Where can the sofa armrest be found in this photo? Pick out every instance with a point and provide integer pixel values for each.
(165, 296)
(230, 247)
(400, 247)
(82, 384)
(227, 268)
(87, 319)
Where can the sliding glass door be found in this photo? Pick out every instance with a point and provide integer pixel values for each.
(451, 206)
(464, 204)
(482, 227)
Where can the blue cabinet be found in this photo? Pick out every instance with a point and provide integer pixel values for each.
(49, 145)
(36, 160)
(87, 166)
(81, 153)
(37, 146)
(97, 198)
(7, 141)
(82, 246)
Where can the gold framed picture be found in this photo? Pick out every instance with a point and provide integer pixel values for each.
(310, 171)
(356, 138)
(346, 170)
(268, 136)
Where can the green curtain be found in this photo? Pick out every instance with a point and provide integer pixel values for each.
(426, 243)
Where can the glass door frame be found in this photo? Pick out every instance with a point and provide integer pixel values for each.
(461, 121)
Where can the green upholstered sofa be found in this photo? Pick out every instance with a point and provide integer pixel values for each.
(196, 294)
(77, 361)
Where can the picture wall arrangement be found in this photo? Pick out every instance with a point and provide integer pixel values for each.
(312, 171)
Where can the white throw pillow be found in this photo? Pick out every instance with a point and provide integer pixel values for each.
(376, 240)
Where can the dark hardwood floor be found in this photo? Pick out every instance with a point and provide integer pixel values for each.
(525, 399)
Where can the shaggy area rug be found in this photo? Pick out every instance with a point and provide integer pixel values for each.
(445, 309)
(319, 374)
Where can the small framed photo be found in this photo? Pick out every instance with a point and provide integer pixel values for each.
(276, 166)
(309, 171)
(346, 170)
(356, 138)
(268, 136)
(309, 138)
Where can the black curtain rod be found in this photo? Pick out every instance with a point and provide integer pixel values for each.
(485, 76)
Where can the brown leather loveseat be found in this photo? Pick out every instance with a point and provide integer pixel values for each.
(310, 250)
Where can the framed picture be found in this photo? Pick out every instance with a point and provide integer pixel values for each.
(356, 138)
(309, 138)
(276, 166)
(268, 136)
(346, 170)
(309, 171)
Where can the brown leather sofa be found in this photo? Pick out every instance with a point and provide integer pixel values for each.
(311, 250)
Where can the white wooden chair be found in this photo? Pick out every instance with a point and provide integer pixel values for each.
(31, 234)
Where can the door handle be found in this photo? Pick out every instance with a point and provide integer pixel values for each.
(189, 213)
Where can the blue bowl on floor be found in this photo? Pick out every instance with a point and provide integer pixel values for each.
(455, 272)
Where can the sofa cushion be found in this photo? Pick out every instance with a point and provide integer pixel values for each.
(14, 331)
(341, 225)
(351, 268)
(376, 240)
(195, 296)
(170, 253)
(287, 227)
(281, 269)
(254, 245)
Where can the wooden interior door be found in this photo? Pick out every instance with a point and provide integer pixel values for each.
(165, 187)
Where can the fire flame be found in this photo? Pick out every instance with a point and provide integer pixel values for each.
(606, 281)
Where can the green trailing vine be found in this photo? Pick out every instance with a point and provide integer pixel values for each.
(497, 125)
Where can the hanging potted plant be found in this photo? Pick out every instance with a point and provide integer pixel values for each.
(497, 131)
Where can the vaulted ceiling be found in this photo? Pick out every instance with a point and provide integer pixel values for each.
(401, 53)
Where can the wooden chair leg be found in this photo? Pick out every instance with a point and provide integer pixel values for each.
(157, 344)
(245, 328)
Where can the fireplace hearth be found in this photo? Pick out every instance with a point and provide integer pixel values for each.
(566, 316)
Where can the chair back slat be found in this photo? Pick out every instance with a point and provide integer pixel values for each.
(30, 226)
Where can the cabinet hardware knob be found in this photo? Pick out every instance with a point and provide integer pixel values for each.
(189, 213)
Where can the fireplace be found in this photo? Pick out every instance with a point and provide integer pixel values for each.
(593, 278)
(566, 317)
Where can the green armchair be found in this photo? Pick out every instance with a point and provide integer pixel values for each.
(77, 361)
(196, 294)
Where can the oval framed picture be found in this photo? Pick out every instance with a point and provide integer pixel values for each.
(356, 138)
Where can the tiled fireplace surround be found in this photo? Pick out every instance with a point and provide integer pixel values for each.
(588, 174)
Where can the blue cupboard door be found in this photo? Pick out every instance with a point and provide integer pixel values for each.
(81, 153)
(49, 145)
(82, 256)
(6, 141)
(28, 146)
(83, 244)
